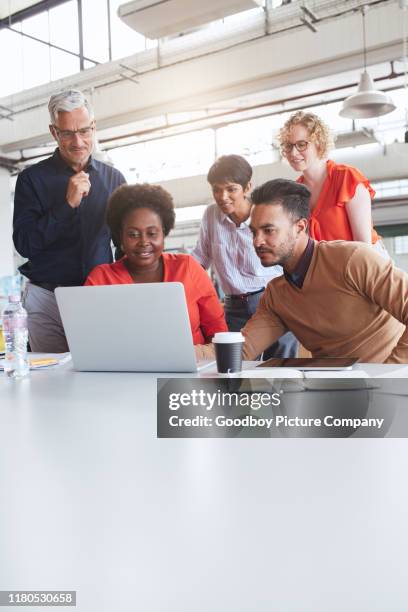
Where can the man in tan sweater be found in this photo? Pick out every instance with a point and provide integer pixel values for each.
(338, 298)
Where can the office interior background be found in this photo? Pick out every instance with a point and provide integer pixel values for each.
(91, 499)
(175, 85)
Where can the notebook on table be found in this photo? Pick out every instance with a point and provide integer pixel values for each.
(128, 328)
(311, 363)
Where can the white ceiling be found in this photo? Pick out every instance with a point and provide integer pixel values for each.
(8, 7)
(241, 70)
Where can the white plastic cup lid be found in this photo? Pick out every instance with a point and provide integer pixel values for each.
(228, 338)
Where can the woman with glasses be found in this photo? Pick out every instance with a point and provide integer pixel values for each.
(341, 195)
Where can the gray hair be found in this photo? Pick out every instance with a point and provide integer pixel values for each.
(67, 101)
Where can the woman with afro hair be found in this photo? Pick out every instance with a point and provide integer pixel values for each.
(139, 217)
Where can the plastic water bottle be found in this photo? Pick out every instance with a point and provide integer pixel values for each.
(15, 338)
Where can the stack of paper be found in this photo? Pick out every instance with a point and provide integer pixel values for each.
(47, 360)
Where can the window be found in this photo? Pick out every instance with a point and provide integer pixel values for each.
(401, 245)
(63, 21)
(95, 28)
(36, 63)
(63, 64)
(395, 238)
(125, 41)
(46, 46)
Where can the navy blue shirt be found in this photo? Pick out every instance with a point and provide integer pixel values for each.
(298, 276)
(62, 243)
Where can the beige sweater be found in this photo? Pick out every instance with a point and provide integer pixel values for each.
(353, 303)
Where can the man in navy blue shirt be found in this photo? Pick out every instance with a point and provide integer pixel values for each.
(59, 217)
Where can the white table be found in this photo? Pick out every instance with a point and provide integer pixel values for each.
(92, 501)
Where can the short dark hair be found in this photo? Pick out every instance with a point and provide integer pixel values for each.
(231, 169)
(127, 198)
(294, 197)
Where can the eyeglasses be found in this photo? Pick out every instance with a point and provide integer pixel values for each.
(300, 145)
(84, 132)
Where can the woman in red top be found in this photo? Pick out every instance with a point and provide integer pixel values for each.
(140, 216)
(340, 195)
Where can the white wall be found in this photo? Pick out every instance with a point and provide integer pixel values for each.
(6, 245)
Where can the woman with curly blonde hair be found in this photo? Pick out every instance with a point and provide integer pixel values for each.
(340, 203)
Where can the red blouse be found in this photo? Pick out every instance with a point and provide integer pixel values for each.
(204, 308)
(329, 219)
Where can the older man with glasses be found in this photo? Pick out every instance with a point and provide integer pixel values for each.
(59, 217)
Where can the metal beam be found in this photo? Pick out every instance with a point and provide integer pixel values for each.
(9, 164)
(80, 36)
(30, 11)
(51, 45)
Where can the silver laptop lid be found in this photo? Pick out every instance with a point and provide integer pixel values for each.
(128, 328)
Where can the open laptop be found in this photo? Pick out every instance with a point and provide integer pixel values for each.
(128, 328)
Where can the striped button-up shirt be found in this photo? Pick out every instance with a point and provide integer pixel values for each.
(228, 249)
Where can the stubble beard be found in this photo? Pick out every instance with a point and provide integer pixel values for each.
(283, 258)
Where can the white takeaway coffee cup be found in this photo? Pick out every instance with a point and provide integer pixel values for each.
(228, 351)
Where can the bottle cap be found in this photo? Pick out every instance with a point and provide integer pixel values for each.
(12, 287)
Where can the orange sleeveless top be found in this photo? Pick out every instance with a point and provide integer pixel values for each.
(328, 219)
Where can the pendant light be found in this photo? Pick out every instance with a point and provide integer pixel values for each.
(368, 101)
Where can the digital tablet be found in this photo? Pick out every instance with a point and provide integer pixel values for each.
(310, 363)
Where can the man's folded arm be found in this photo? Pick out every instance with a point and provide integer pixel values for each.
(396, 303)
(35, 227)
(262, 330)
